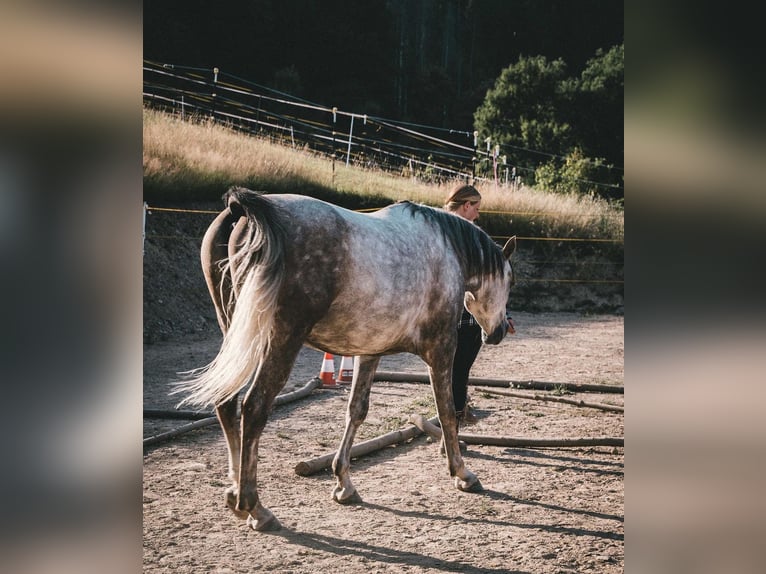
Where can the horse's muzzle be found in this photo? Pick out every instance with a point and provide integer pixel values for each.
(497, 335)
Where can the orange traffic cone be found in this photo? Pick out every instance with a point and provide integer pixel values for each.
(327, 374)
(346, 373)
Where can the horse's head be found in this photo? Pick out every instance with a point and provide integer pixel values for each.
(488, 300)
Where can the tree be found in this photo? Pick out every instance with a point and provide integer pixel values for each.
(561, 132)
(599, 95)
(522, 111)
(576, 175)
(348, 52)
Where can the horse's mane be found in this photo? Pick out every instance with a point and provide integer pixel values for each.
(479, 255)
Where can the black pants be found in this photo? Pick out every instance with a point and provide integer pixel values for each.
(468, 346)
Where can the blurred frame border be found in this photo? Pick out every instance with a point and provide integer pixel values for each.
(695, 336)
(70, 242)
(70, 187)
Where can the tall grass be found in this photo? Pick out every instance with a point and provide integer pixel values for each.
(199, 160)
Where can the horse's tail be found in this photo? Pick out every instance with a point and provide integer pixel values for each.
(259, 266)
(214, 257)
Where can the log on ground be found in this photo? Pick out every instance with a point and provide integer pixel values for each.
(547, 398)
(209, 420)
(314, 465)
(176, 414)
(158, 438)
(397, 377)
(436, 433)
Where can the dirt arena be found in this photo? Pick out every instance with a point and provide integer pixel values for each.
(551, 510)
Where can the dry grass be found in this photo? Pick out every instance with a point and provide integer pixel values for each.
(186, 160)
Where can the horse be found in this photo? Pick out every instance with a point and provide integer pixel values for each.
(287, 270)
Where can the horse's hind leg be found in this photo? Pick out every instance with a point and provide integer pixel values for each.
(213, 251)
(227, 417)
(256, 405)
(217, 244)
(358, 405)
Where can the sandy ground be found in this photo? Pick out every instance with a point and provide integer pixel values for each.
(542, 511)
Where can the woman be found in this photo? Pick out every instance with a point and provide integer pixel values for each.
(465, 201)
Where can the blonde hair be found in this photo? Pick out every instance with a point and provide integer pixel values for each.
(460, 195)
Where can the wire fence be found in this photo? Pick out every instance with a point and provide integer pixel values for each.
(355, 139)
(427, 152)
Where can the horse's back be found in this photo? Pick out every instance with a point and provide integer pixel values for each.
(345, 271)
(391, 253)
(381, 275)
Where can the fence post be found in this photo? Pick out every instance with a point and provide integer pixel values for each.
(215, 83)
(334, 118)
(258, 114)
(143, 230)
(350, 131)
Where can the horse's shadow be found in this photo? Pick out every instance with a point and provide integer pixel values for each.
(503, 497)
(558, 462)
(381, 554)
(389, 555)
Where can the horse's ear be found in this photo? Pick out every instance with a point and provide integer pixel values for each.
(509, 247)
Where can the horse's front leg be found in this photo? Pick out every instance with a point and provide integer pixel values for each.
(256, 405)
(356, 412)
(440, 373)
(227, 417)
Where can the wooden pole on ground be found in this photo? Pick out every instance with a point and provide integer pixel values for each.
(427, 426)
(314, 465)
(176, 414)
(210, 420)
(435, 432)
(547, 398)
(304, 391)
(162, 437)
(397, 377)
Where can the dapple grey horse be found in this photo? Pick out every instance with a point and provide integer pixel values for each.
(289, 270)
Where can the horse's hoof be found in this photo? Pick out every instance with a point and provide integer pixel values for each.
(473, 485)
(231, 503)
(352, 498)
(267, 524)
